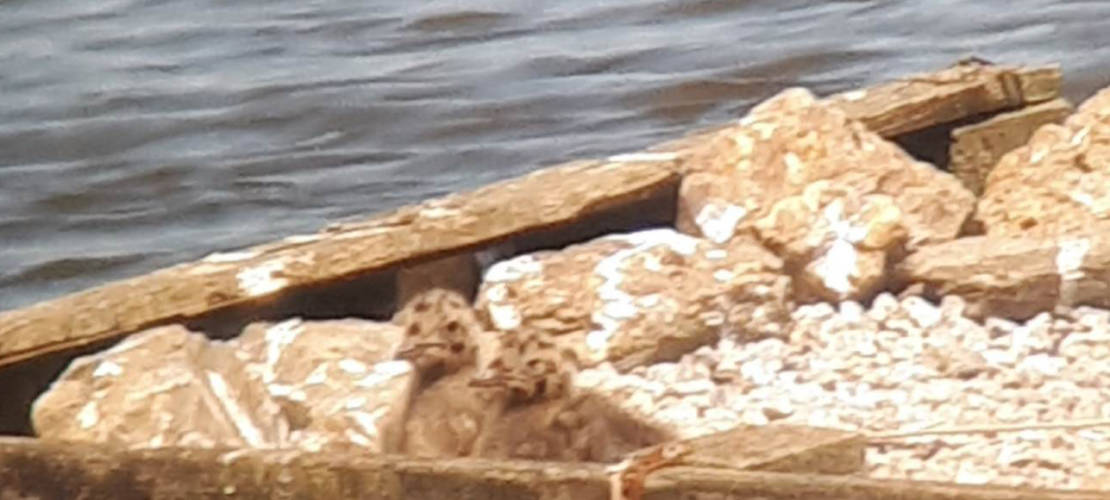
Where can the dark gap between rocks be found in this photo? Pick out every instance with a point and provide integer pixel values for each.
(933, 144)
(22, 382)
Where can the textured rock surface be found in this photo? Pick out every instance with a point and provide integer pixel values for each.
(978, 147)
(162, 387)
(314, 385)
(639, 297)
(1059, 183)
(904, 365)
(334, 380)
(836, 199)
(1016, 277)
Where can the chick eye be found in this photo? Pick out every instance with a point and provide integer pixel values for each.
(414, 330)
(452, 326)
(457, 347)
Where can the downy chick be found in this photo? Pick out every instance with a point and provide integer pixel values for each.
(447, 415)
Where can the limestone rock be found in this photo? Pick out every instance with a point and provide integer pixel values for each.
(838, 199)
(336, 380)
(639, 297)
(325, 384)
(162, 387)
(977, 148)
(1059, 183)
(842, 239)
(1014, 277)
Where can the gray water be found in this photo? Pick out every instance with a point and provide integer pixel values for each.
(135, 134)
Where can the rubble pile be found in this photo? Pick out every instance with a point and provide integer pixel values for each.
(898, 367)
(770, 300)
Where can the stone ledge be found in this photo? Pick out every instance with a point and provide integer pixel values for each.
(38, 469)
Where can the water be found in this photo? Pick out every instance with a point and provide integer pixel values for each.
(135, 134)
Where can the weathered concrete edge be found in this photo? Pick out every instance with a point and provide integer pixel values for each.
(544, 198)
(32, 468)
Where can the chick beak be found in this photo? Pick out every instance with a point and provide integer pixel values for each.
(417, 350)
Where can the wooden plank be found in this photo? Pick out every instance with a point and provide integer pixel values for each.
(976, 148)
(964, 90)
(780, 448)
(542, 199)
(922, 101)
(41, 469)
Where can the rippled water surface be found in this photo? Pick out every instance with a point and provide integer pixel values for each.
(135, 134)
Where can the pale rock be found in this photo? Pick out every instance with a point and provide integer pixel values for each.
(851, 312)
(165, 386)
(999, 327)
(1094, 320)
(1042, 364)
(903, 326)
(1058, 183)
(813, 312)
(833, 197)
(641, 297)
(974, 474)
(923, 313)
(336, 379)
(882, 307)
(825, 234)
(1014, 277)
(952, 306)
(1079, 345)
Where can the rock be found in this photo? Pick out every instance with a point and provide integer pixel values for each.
(842, 240)
(833, 198)
(978, 147)
(1014, 277)
(316, 385)
(161, 387)
(335, 379)
(1059, 183)
(640, 297)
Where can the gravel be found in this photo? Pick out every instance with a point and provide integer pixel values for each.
(903, 366)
